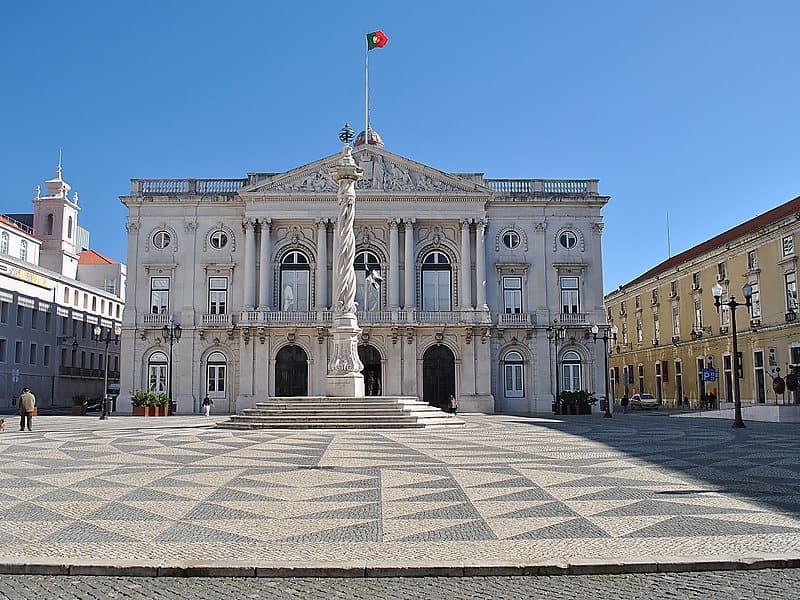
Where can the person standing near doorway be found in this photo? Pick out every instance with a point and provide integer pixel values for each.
(207, 404)
(27, 403)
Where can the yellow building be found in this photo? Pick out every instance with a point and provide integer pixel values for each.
(670, 333)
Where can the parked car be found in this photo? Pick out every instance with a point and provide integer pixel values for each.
(644, 401)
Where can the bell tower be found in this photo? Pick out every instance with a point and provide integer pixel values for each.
(55, 222)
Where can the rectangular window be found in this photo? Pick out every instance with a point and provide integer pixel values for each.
(624, 333)
(790, 280)
(752, 260)
(656, 329)
(20, 316)
(512, 294)
(34, 319)
(787, 245)
(722, 271)
(696, 280)
(48, 321)
(654, 297)
(217, 295)
(4, 307)
(755, 301)
(295, 290)
(110, 285)
(83, 360)
(46, 356)
(698, 314)
(3, 344)
(638, 301)
(622, 310)
(676, 321)
(18, 352)
(32, 354)
(159, 295)
(639, 333)
(570, 299)
(673, 289)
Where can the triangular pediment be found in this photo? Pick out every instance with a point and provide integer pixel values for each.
(384, 173)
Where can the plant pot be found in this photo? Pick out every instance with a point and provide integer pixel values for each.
(78, 409)
(141, 411)
(584, 409)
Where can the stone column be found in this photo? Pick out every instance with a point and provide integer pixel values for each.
(394, 266)
(249, 264)
(480, 265)
(344, 366)
(322, 264)
(466, 272)
(334, 277)
(409, 266)
(265, 280)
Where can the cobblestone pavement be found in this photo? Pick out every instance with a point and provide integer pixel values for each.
(728, 585)
(503, 490)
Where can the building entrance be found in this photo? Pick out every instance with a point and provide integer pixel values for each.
(291, 372)
(371, 359)
(438, 376)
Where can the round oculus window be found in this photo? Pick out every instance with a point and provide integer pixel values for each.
(511, 239)
(568, 239)
(161, 239)
(218, 239)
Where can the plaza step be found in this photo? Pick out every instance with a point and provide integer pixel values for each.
(323, 412)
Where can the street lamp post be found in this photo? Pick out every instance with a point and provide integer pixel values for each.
(747, 291)
(555, 333)
(171, 333)
(107, 337)
(609, 333)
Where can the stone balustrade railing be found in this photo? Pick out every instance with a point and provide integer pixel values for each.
(185, 186)
(515, 319)
(585, 187)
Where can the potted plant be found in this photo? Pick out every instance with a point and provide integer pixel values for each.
(578, 402)
(79, 404)
(157, 403)
(139, 400)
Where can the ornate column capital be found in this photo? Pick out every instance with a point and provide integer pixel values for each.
(248, 223)
(409, 220)
(393, 222)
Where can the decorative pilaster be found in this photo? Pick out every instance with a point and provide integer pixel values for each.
(394, 265)
(408, 265)
(265, 259)
(249, 263)
(344, 366)
(465, 299)
(322, 264)
(480, 264)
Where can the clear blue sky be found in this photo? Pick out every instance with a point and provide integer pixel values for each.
(685, 106)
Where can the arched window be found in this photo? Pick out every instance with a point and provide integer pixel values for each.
(436, 282)
(50, 220)
(157, 373)
(215, 375)
(69, 228)
(4, 242)
(513, 375)
(295, 289)
(368, 281)
(571, 371)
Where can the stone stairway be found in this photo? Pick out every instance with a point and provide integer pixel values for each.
(325, 412)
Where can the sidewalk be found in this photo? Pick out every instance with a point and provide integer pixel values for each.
(504, 495)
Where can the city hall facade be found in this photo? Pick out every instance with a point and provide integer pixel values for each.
(481, 288)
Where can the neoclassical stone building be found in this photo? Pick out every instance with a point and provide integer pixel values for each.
(460, 281)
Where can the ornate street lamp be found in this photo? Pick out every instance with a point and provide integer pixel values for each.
(106, 336)
(747, 291)
(609, 333)
(171, 333)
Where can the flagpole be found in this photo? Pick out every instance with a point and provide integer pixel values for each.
(366, 91)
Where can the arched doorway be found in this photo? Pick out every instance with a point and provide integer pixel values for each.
(438, 375)
(291, 372)
(371, 359)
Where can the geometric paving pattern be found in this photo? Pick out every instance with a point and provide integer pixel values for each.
(502, 488)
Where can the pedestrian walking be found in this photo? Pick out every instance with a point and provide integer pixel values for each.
(207, 404)
(452, 404)
(624, 404)
(27, 403)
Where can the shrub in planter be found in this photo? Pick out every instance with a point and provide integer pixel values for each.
(577, 402)
(139, 401)
(79, 404)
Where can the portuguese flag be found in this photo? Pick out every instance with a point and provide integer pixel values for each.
(376, 39)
